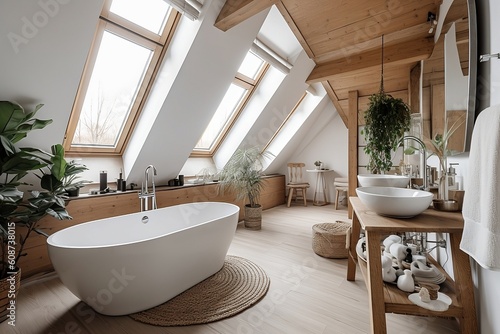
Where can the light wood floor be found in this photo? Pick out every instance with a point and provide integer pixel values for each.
(308, 293)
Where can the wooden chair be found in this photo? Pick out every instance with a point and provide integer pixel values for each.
(341, 184)
(296, 186)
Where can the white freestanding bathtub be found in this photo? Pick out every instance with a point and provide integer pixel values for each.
(130, 263)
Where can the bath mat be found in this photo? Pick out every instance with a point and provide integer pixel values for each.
(237, 286)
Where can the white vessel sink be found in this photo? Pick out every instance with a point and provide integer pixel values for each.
(383, 180)
(395, 202)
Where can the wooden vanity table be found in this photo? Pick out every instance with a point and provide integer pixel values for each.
(387, 298)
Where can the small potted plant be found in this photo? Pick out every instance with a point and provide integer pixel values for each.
(438, 146)
(243, 175)
(71, 182)
(318, 164)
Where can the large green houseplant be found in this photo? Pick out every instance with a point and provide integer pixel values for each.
(386, 120)
(243, 175)
(20, 212)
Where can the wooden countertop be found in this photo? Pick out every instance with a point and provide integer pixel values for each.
(430, 220)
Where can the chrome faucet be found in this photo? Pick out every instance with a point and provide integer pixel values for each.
(425, 183)
(145, 195)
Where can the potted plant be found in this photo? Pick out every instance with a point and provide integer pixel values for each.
(386, 120)
(318, 164)
(243, 175)
(71, 182)
(438, 146)
(19, 214)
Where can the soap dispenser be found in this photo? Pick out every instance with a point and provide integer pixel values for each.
(452, 185)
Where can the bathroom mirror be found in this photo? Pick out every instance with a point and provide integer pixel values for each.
(448, 77)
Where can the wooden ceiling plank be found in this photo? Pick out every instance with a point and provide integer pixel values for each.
(417, 31)
(320, 16)
(403, 53)
(373, 25)
(237, 11)
(351, 38)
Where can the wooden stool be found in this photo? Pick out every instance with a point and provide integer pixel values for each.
(329, 239)
(341, 184)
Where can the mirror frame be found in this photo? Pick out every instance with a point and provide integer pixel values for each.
(470, 104)
(473, 58)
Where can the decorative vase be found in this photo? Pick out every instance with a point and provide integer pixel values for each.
(9, 288)
(406, 282)
(253, 217)
(443, 180)
(388, 272)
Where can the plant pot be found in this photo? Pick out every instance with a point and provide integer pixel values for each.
(9, 288)
(253, 217)
(73, 192)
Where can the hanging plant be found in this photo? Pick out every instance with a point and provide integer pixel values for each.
(386, 120)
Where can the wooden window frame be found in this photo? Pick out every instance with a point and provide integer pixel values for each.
(250, 85)
(157, 43)
(278, 130)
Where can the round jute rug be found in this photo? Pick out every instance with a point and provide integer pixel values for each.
(237, 286)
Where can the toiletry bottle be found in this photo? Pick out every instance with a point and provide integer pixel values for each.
(119, 183)
(451, 177)
(103, 180)
(401, 167)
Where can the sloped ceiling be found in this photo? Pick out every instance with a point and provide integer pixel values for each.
(344, 39)
(44, 45)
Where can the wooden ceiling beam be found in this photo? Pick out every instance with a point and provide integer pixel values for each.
(402, 53)
(340, 109)
(237, 11)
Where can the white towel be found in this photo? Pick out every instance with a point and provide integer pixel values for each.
(481, 208)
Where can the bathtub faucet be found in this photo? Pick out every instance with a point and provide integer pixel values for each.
(145, 195)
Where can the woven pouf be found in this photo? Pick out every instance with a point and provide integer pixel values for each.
(329, 239)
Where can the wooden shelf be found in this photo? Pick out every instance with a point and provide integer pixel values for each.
(396, 300)
(387, 298)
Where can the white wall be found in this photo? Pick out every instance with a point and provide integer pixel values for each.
(44, 45)
(325, 140)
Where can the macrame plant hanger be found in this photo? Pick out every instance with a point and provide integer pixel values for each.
(382, 70)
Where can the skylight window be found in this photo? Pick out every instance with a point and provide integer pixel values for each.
(233, 98)
(127, 50)
(112, 91)
(251, 65)
(250, 72)
(149, 14)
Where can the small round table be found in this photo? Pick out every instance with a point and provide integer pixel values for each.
(320, 185)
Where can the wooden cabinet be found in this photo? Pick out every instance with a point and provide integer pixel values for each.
(386, 298)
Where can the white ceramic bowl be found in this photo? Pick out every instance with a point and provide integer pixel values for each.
(383, 180)
(395, 202)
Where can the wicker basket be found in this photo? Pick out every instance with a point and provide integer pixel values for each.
(329, 239)
(253, 217)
